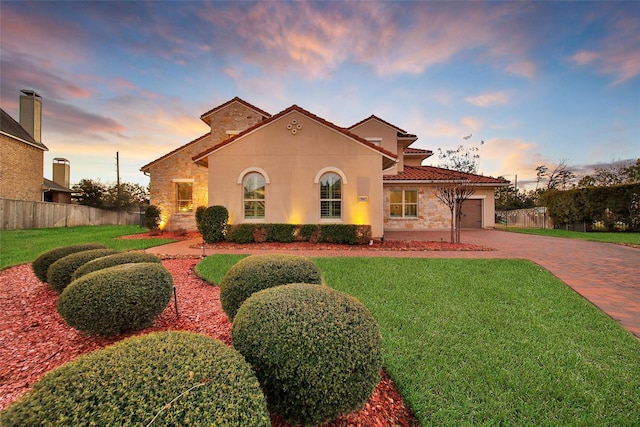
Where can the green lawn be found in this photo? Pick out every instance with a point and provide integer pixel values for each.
(469, 342)
(596, 236)
(21, 246)
(489, 342)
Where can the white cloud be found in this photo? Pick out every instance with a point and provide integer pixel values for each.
(489, 99)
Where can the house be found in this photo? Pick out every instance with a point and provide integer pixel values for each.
(295, 167)
(22, 156)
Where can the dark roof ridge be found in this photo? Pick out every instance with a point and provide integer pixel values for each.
(231, 101)
(374, 117)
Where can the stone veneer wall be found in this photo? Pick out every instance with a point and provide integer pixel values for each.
(432, 213)
(162, 188)
(180, 166)
(21, 170)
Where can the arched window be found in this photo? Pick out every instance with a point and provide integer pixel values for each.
(330, 196)
(254, 197)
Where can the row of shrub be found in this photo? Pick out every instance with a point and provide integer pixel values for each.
(103, 292)
(162, 378)
(212, 223)
(350, 234)
(317, 352)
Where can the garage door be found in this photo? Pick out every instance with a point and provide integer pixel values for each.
(472, 213)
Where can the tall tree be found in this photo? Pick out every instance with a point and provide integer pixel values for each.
(96, 194)
(89, 193)
(557, 179)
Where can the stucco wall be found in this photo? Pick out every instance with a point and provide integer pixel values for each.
(374, 129)
(21, 170)
(292, 163)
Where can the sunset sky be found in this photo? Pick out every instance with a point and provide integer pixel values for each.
(539, 82)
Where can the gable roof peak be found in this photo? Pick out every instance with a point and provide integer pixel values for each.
(206, 116)
(374, 117)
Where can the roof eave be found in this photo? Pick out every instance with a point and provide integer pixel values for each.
(39, 146)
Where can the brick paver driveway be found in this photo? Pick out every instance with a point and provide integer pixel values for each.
(606, 274)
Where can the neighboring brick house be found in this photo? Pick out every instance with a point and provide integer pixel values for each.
(295, 167)
(22, 157)
(22, 154)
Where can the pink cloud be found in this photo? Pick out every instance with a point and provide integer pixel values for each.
(584, 57)
(24, 72)
(524, 68)
(313, 39)
(617, 54)
(28, 33)
(68, 119)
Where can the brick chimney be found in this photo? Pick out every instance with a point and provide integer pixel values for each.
(31, 113)
(61, 171)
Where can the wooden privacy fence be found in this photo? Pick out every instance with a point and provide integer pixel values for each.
(524, 218)
(22, 214)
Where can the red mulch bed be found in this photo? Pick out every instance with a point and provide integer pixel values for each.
(162, 235)
(34, 339)
(377, 245)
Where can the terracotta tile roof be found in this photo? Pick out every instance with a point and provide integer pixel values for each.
(407, 135)
(12, 128)
(434, 174)
(231, 101)
(187, 145)
(417, 151)
(306, 113)
(401, 132)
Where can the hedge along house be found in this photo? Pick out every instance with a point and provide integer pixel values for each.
(298, 168)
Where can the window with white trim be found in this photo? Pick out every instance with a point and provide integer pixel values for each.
(184, 196)
(403, 203)
(330, 196)
(254, 195)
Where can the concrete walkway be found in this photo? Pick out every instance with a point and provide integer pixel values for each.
(606, 274)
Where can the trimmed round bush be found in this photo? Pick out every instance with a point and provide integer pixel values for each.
(212, 223)
(317, 352)
(60, 272)
(41, 265)
(152, 217)
(183, 378)
(258, 272)
(113, 300)
(111, 260)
